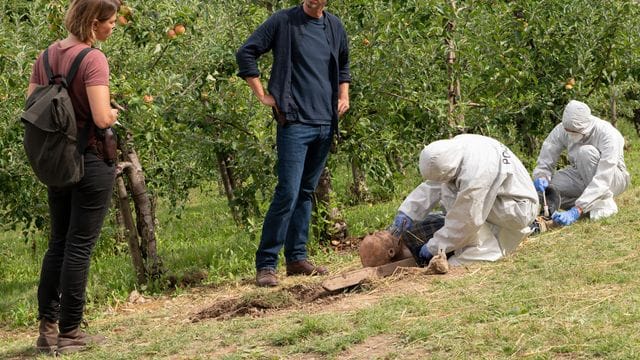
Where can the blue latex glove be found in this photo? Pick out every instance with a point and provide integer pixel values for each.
(568, 217)
(401, 223)
(541, 184)
(425, 254)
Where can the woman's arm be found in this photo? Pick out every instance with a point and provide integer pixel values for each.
(99, 101)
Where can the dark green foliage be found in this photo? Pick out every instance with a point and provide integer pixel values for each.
(513, 61)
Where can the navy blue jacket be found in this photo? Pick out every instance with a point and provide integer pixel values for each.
(275, 34)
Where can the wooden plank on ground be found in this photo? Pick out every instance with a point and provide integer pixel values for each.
(355, 277)
(388, 269)
(349, 278)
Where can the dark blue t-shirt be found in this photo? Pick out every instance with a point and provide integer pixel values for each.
(310, 78)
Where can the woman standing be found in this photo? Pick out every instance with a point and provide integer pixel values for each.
(77, 212)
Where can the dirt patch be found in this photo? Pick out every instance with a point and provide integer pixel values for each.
(304, 293)
(229, 308)
(260, 301)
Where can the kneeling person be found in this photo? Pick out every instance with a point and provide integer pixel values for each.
(596, 172)
(486, 193)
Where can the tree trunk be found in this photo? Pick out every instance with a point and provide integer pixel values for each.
(636, 120)
(395, 162)
(329, 226)
(323, 190)
(140, 233)
(321, 203)
(145, 216)
(130, 230)
(614, 109)
(453, 94)
(359, 187)
(121, 230)
(228, 182)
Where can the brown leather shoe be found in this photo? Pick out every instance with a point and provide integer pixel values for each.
(304, 267)
(48, 340)
(77, 340)
(266, 277)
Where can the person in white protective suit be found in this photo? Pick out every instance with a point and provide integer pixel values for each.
(486, 193)
(597, 171)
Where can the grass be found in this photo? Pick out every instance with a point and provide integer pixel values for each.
(204, 237)
(571, 293)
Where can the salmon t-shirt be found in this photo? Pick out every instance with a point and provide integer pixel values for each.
(93, 71)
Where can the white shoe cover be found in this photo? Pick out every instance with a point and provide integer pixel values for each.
(603, 209)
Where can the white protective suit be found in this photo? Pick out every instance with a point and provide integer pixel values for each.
(597, 171)
(486, 192)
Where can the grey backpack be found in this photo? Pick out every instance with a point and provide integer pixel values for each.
(51, 136)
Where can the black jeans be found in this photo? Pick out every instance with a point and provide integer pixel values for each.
(77, 213)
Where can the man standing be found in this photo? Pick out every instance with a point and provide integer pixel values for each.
(486, 193)
(308, 90)
(596, 172)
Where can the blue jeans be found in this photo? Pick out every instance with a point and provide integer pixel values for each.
(302, 154)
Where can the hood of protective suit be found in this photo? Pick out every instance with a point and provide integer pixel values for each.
(577, 117)
(440, 160)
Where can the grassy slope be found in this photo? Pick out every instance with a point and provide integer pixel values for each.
(572, 293)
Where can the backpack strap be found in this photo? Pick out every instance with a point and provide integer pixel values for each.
(76, 64)
(72, 72)
(47, 67)
(84, 136)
